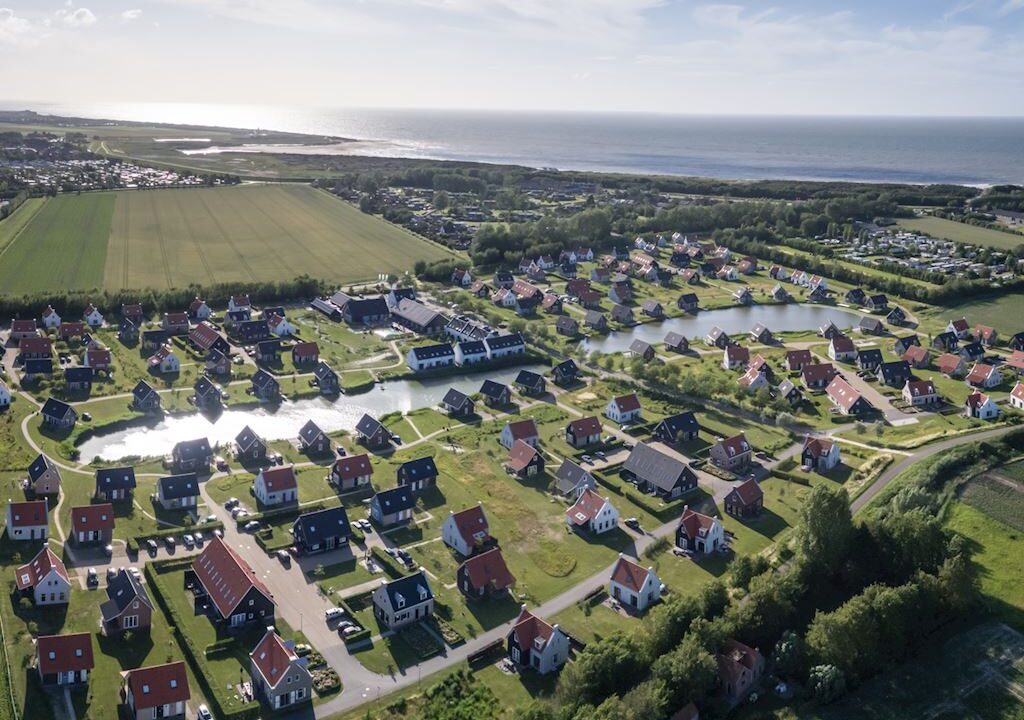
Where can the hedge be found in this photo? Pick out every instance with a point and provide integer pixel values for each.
(391, 567)
(250, 711)
(135, 542)
(288, 513)
(74, 302)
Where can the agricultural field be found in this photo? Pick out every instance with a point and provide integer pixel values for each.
(173, 238)
(62, 247)
(962, 232)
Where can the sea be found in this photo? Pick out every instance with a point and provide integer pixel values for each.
(969, 151)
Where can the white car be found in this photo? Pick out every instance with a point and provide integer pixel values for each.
(204, 713)
(333, 613)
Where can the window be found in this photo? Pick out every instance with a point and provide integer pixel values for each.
(130, 621)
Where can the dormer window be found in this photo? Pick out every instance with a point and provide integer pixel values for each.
(423, 592)
(538, 643)
(400, 601)
(145, 689)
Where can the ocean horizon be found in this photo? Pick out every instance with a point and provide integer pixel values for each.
(966, 151)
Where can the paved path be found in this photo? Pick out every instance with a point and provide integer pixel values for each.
(923, 453)
(302, 606)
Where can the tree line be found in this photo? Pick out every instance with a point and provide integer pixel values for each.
(72, 303)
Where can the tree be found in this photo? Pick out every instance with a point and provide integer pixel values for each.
(606, 667)
(789, 654)
(827, 683)
(826, 527)
(442, 201)
(687, 673)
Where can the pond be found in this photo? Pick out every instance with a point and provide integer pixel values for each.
(283, 421)
(791, 317)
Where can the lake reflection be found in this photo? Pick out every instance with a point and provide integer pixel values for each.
(735, 321)
(284, 421)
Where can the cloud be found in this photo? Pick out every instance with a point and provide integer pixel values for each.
(15, 30)
(1011, 5)
(130, 15)
(572, 16)
(82, 17)
(304, 15)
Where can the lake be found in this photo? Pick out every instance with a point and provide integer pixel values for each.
(791, 317)
(283, 421)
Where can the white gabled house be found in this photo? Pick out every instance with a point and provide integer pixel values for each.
(623, 409)
(45, 579)
(92, 316)
(593, 513)
(981, 406)
(634, 586)
(466, 531)
(276, 485)
(50, 318)
(535, 644)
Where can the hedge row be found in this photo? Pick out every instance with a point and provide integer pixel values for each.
(251, 711)
(73, 303)
(288, 513)
(792, 477)
(135, 542)
(391, 567)
(360, 636)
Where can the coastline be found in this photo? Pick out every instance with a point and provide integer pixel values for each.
(904, 151)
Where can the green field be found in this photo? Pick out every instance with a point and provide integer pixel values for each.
(172, 238)
(962, 232)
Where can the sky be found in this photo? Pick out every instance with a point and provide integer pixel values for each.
(788, 57)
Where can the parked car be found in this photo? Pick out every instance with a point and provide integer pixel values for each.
(151, 544)
(587, 459)
(170, 542)
(333, 613)
(252, 526)
(109, 550)
(230, 503)
(92, 577)
(221, 463)
(189, 541)
(632, 523)
(350, 630)
(112, 572)
(204, 713)
(600, 455)
(284, 557)
(87, 416)
(218, 533)
(210, 518)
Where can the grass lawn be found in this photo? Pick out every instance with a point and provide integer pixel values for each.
(71, 232)
(11, 226)
(962, 232)
(959, 674)
(224, 669)
(173, 238)
(111, 655)
(999, 556)
(997, 497)
(16, 454)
